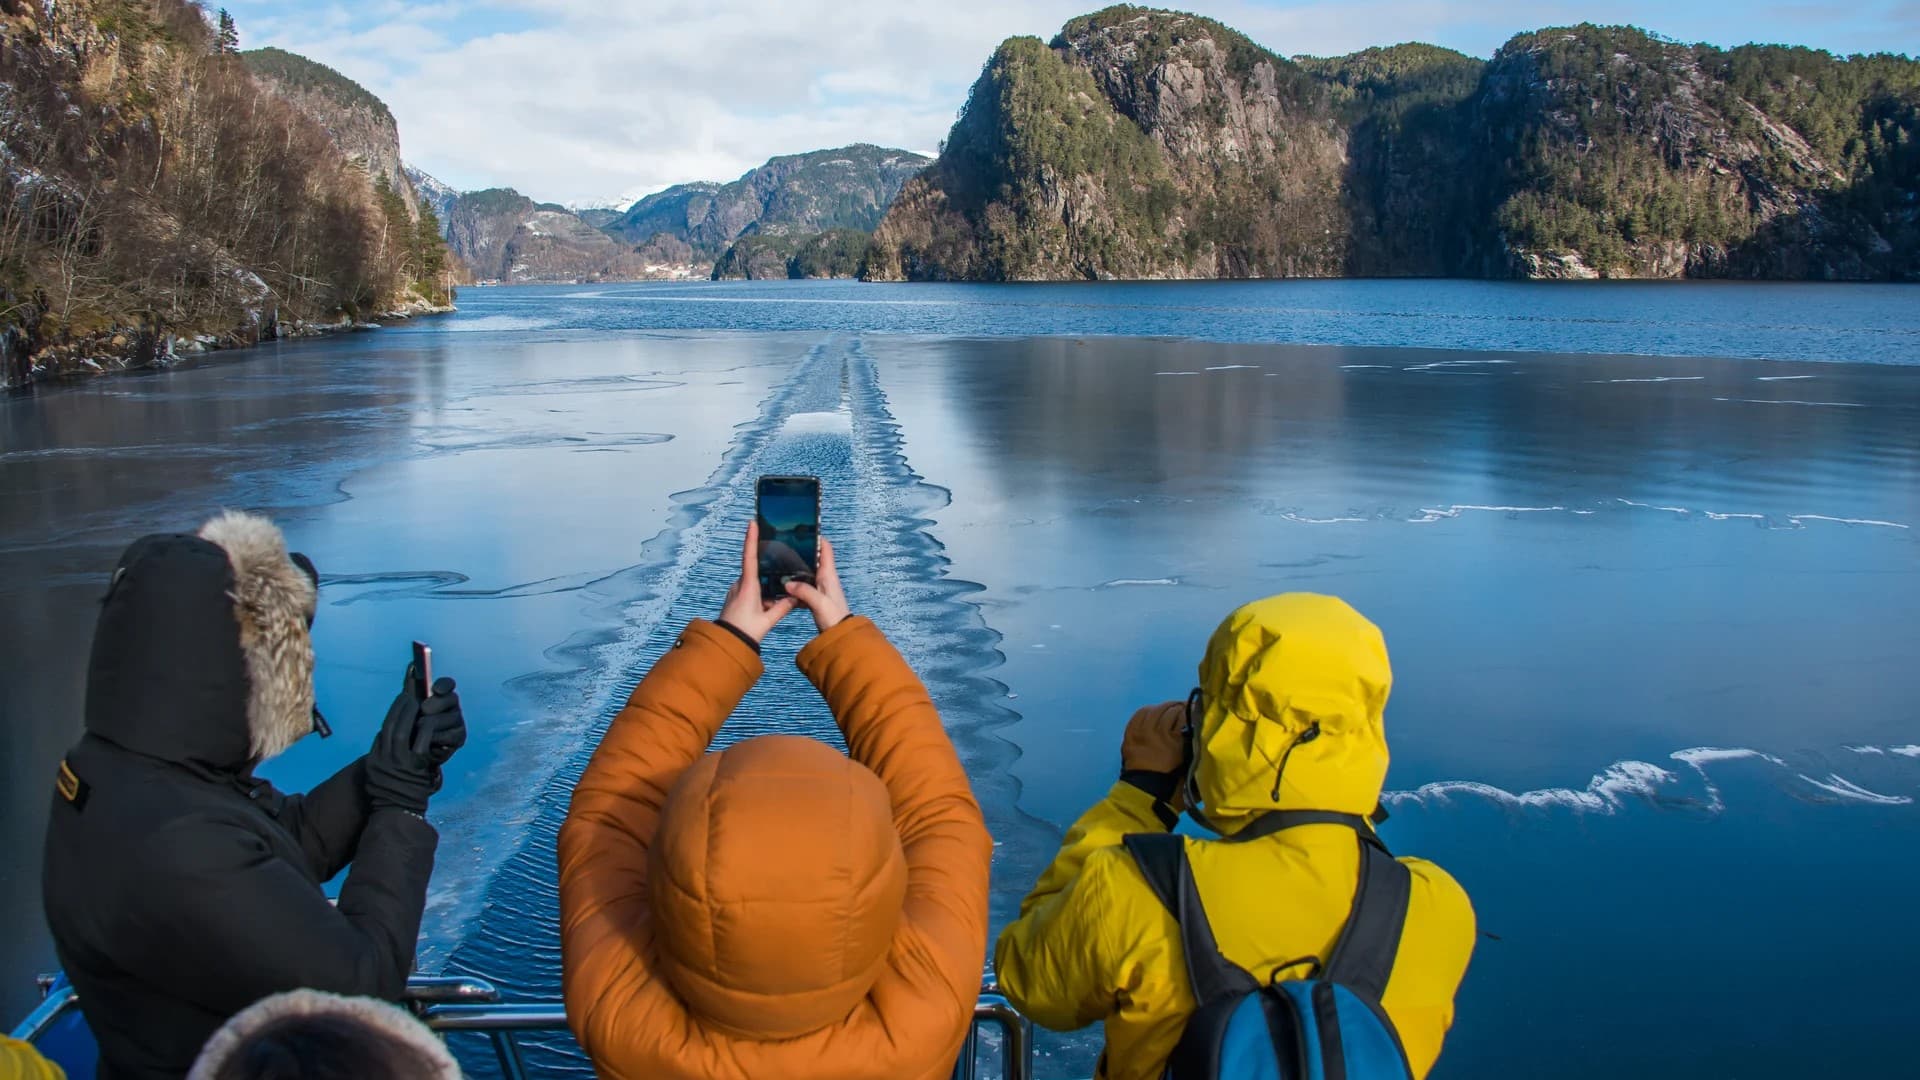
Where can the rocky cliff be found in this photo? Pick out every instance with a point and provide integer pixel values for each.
(501, 235)
(797, 196)
(835, 253)
(1618, 154)
(359, 123)
(431, 192)
(1144, 143)
(155, 198)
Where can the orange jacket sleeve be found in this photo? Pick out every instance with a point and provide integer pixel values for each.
(606, 933)
(892, 727)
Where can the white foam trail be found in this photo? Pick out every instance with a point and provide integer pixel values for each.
(1430, 514)
(1291, 516)
(492, 323)
(1659, 378)
(1366, 367)
(1609, 791)
(1697, 756)
(1783, 378)
(1176, 373)
(1120, 582)
(1440, 364)
(1909, 750)
(818, 423)
(1796, 518)
(1711, 516)
(1602, 795)
(1236, 367)
(1651, 506)
(1783, 401)
(1847, 789)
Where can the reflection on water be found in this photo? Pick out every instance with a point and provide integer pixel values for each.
(1651, 617)
(491, 500)
(1582, 580)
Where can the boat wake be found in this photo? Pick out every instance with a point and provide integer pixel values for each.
(829, 419)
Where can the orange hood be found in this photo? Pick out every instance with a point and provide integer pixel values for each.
(778, 881)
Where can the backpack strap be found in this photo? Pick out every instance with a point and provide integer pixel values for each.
(1362, 958)
(1162, 858)
(1275, 820)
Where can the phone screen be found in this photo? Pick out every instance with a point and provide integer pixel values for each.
(787, 509)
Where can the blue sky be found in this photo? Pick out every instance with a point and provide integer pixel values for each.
(595, 102)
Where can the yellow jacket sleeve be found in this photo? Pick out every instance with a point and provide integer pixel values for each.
(1058, 962)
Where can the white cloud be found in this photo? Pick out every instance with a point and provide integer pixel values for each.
(580, 100)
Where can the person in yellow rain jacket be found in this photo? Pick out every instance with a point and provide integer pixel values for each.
(1288, 716)
(20, 1061)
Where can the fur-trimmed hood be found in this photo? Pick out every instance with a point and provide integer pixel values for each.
(295, 1006)
(202, 654)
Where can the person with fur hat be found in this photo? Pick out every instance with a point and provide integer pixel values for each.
(775, 909)
(181, 888)
(312, 1035)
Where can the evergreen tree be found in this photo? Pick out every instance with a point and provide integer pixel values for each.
(430, 256)
(229, 39)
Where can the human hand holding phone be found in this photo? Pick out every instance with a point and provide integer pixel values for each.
(745, 609)
(824, 596)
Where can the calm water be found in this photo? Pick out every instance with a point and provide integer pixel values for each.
(1651, 615)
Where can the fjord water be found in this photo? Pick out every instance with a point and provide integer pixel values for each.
(1651, 615)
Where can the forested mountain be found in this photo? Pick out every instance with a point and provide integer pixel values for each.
(835, 253)
(501, 235)
(794, 198)
(1143, 143)
(153, 195)
(505, 236)
(358, 122)
(431, 192)
(599, 216)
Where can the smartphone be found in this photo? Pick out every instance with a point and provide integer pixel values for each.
(787, 509)
(422, 670)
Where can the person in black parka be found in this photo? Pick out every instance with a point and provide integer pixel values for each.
(179, 887)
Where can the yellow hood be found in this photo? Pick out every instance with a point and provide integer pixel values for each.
(1274, 668)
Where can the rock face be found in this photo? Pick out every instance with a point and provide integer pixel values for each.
(835, 253)
(501, 235)
(1148, 144)
(359, 123)
(796, 196)
(432, 192)
(1618, 154)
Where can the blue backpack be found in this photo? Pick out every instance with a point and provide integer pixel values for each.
(1324, 1027)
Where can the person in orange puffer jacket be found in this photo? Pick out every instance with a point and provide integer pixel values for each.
(775, 909)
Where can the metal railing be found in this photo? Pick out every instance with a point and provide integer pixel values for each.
(56, 997)
(450, 1005)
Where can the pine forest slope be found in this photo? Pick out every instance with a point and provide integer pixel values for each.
(1144, 143)
(154, 195)
(796, 196)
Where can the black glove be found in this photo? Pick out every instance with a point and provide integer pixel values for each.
(417, 737)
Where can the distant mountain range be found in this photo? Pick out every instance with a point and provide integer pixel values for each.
(798, 215)
(1153, 144)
